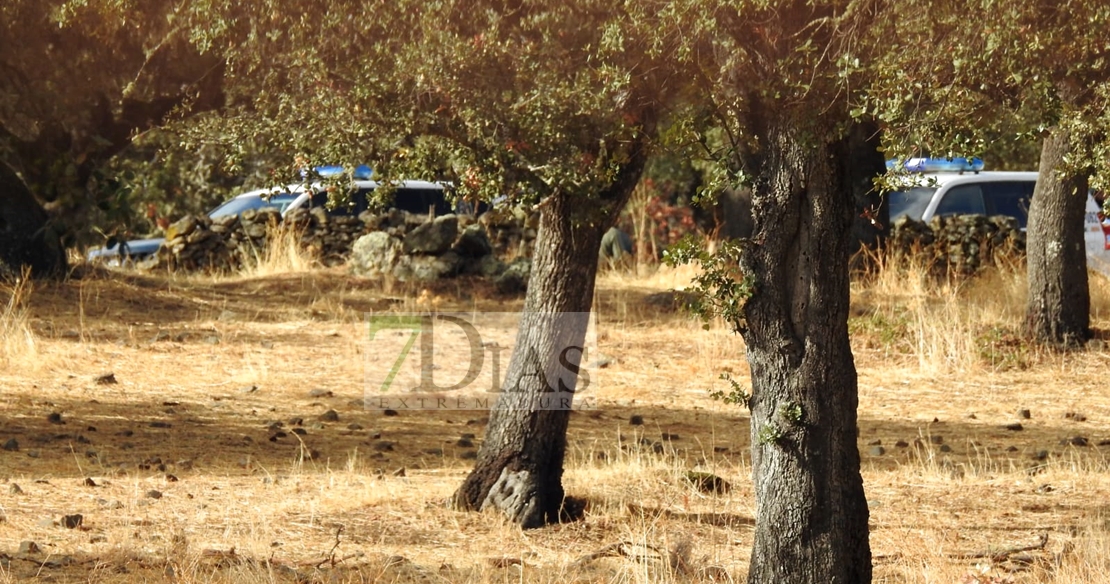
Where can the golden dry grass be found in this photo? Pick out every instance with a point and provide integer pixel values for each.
(201, 367)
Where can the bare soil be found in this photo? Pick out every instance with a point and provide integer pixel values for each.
(163, 411)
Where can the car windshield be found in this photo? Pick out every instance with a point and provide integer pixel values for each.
(910, 203)
(237, 205)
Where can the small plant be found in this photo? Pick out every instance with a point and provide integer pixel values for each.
(735, 395)
(721, 289)
(792, 412)
(769, 434)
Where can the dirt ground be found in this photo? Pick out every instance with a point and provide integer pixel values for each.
(215, 429)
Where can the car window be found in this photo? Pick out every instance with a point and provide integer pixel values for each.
(1009, 198)
(962, 200)
(421, 201)
(237, 205)
(911, 203)
(356, 203)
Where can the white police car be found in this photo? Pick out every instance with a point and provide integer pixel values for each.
(959, 186)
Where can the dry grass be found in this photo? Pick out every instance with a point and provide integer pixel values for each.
(202, 367)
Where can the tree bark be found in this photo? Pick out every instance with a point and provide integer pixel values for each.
(520, 464)
(27, 240)
(811, 512)
(1059, 308)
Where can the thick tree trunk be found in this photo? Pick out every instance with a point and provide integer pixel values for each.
(27, 240)
(520, 464)
(811, 513)
(1059, 299)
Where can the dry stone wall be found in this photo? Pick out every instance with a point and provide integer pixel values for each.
(958, 244)
(395, 244)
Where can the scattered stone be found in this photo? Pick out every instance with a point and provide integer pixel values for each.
(670, 437)
(1011, 449)
(300, 431)
(399, 472)
(329, 416)
(875, 442)
(945, 448)
(98, 539)
(154, 494)
(72, 521)
(1075, 417)
(876, 450)
(465, 443)
(1078, 441)
(434, 451)
(296, 421)
(1015, 427)
(389, 413)
(354, 427)
(250, 389)
(707, 482)
(32, 453)
(160, 424)
(27, 547)
(936, 439)
(55, 418)
(901, 444)
(636, 420)
(89, 482)
(1041, 455)
(320, 393)
(375, 434)
(1024, 414)
(383, 446)
(469, 455)
(11, 445)
(171, 478)
(106, 379)
(720, 449)
(15, 489)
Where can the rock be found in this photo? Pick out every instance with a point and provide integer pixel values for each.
(473, 242)
(27, 547)
(465, 443)
(1075, 417)
(936, 439)
(707, 482)
(1024, 414)
(389, 413)
(636, 420)
(1015, 427)
(15, 489)
(106, 379)
(72, 521)
(320, 393)
(901, 444)
(383, 446)
(55, 418)
(876, 450)
(11, 445)
(434, 237)
(329, 416)
(514, 280)
(428, 268)
(375, 255)
(154, 494)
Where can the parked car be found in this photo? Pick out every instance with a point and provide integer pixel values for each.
(411, 196)
(963, 189)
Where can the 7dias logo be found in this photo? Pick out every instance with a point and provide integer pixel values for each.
(470, 361)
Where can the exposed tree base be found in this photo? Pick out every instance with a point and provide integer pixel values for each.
(28, 244)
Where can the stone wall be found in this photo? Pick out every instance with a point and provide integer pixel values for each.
(397, 244)
(958, 244)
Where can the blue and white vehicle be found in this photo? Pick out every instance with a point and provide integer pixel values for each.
(960, 187)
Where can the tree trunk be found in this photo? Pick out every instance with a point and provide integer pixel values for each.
(520, 464)
(811, 513)
(1059, 299)
(27, 240)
